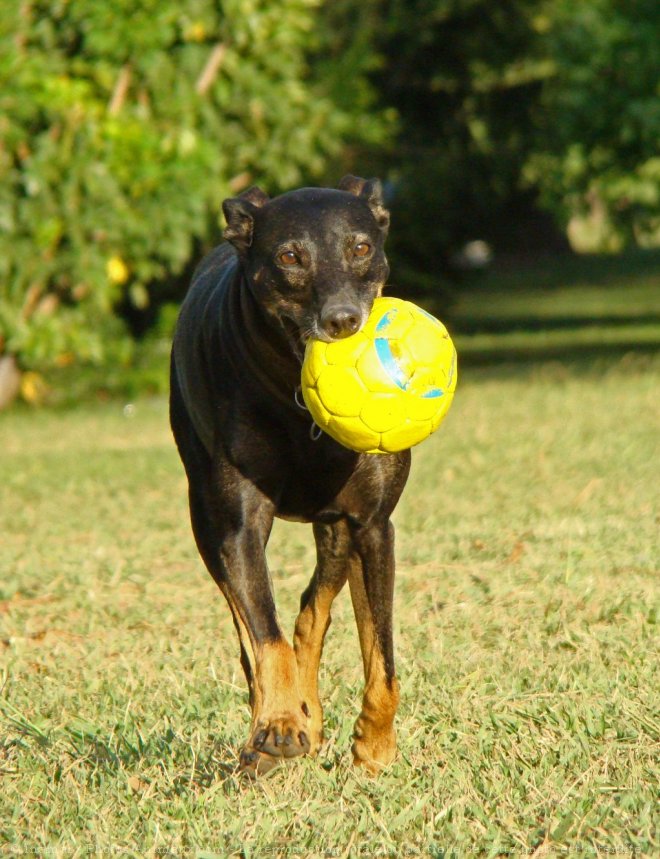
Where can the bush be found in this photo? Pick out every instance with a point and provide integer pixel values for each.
(517, 118)
(123, 124)
(597, 120)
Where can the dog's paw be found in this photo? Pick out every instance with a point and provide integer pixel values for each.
(373, 750)
(284, 738)
(271, 741)
(252, 763)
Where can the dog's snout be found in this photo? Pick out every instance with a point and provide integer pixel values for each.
(341, 321)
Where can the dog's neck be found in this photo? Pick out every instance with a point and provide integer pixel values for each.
(271, 354)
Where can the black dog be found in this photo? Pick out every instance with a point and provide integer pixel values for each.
(306, 264)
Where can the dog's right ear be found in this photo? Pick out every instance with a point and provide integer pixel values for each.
(239, 213)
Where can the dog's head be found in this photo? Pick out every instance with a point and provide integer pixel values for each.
(314, 258)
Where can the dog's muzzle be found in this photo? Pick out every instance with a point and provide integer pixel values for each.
(340, 320)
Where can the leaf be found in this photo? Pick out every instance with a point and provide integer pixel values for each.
(563, 827)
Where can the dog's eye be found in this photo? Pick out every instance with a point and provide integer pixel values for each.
(289, 258)
(361, 249)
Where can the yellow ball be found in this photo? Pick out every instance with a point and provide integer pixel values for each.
(386, 388)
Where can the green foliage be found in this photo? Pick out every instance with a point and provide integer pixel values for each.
(598, 117)
(346, 59)
(511, 105)
(464, 81)
(123, 125)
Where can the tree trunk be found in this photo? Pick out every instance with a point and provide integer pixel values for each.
(10, 380)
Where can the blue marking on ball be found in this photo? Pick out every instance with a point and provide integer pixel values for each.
(390, 363)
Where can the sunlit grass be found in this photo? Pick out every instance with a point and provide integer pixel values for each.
(526, 632)
(571, 309)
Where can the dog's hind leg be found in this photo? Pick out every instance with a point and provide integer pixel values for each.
(333, 544)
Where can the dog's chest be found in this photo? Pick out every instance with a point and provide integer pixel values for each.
(312, 493)
(302, 477)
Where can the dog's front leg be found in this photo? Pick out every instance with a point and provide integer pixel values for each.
(232, 522)
(372, 591)
(333, 547)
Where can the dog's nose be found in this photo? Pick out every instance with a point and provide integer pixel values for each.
(340, 321)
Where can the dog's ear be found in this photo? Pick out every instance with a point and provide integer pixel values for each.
(239, 213)
(370, 190)
(352, 184)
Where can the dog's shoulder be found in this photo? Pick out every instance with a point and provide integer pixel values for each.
(199, 348)
(215, 262)
(211, 281)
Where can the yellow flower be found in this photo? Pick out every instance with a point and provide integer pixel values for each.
(33, 388)
(195, 32)
(117, 270)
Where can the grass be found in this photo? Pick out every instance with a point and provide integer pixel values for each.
(576, 308)
(526, 628)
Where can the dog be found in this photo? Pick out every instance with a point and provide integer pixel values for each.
(307, 263)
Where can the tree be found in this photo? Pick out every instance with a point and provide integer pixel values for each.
(464, 80)
(597, 120)
(514, 117)
(123, 124)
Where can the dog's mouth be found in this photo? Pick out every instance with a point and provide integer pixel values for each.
(296, 336)
(310, 328)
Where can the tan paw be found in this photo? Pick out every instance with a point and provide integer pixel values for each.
(284, 736)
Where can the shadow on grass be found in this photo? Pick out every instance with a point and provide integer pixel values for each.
(551, 271)
(501, 325)
(583, 311)
(189, 768)
(577, 356)
(101, 754)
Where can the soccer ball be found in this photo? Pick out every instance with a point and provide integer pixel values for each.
(387, 387)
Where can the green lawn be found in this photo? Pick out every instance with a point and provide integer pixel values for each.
(569, 308)
(526, 629)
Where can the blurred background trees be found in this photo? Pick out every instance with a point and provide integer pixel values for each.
(124, 123)
(596, 151)
(517, 120)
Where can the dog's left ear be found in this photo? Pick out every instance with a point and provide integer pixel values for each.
(239, 213)
(370, 190)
